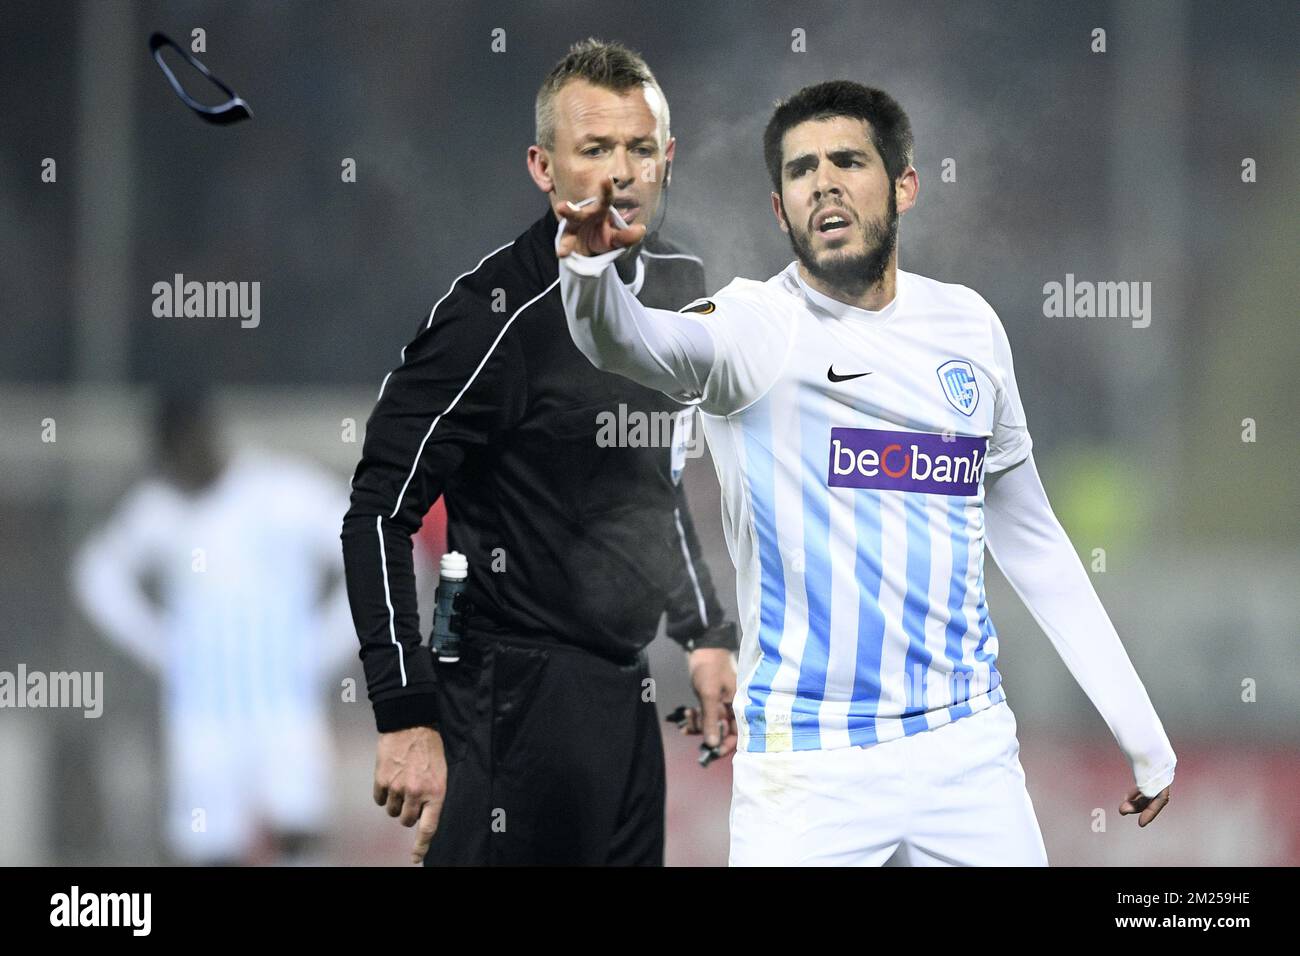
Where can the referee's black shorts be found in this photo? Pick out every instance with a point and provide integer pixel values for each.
(554, 756)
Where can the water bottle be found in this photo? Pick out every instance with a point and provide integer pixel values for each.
(449, 609)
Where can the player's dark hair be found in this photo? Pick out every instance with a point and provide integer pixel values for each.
(608, 65)
(891, 131)
(188, 452)
(181, 414)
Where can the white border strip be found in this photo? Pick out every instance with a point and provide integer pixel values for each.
(388, 599)
(464, 388)
(384, 383)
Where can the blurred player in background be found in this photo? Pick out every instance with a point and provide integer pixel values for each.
(542, 743)
(869, 435)
(249, 621)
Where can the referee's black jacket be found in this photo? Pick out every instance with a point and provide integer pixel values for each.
(494, 407)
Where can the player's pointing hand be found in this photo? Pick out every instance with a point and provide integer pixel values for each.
(593, 226)
(1136, 802)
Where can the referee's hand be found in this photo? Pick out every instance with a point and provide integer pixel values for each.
(713, 675)
(589, 228)
(411, 781)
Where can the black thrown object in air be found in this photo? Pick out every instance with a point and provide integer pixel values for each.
(232, 111)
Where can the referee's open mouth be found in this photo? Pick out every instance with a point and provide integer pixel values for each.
(627, 208)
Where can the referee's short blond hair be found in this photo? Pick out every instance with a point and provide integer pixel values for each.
(609, 65)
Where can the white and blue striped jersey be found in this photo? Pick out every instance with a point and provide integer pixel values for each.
(243, 632)
(852, 447)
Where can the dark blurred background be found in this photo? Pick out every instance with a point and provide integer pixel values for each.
(1123, 165)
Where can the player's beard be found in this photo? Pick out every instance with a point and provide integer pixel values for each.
(853, 274)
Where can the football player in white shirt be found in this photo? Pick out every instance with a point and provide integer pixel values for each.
(869, 438)
(244, 635)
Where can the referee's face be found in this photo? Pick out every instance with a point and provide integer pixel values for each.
(837, 203)
(600, 135)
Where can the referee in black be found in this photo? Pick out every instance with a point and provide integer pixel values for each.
(541, 744)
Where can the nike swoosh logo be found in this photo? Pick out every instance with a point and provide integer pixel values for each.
(830, 373)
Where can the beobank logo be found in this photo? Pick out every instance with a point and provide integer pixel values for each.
(906, 461)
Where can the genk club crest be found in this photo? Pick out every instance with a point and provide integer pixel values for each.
(958, 380)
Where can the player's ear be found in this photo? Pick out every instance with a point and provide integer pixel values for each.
(669, 155)
(539, 167)
(777, 211)
(906, 188)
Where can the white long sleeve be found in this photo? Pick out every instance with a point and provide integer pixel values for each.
(322, 499)
(721, 352)
(107, 576)
(668, 351)
(1038, 559)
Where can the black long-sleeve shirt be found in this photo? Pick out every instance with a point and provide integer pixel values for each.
(566, 534)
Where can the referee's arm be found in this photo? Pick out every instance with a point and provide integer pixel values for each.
(697, 622)
(458, 385)
(695, 616)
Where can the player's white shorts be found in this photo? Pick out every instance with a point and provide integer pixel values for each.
(225, 781)
(951, 796)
